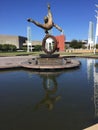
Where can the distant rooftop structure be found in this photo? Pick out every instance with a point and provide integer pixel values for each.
(96, 33)
(90, 35)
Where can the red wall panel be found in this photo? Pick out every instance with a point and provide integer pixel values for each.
(61, 42)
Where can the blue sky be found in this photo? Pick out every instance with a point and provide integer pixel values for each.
(72, 16)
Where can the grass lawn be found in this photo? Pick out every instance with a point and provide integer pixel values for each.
(6, 54)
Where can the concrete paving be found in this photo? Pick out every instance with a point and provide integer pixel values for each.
(22, 61)
(12, 62)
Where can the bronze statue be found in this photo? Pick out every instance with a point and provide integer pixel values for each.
(48, 22)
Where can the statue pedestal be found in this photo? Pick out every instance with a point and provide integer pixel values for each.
(49, 56)
(50, 61)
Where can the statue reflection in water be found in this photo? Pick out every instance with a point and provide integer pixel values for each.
(50, 87)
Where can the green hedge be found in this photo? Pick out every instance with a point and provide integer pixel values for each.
(76, 44)
(38, 48)
(7, 47)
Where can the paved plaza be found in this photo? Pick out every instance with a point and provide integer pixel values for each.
(12, 62)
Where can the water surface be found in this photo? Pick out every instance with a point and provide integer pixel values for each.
(66, 100)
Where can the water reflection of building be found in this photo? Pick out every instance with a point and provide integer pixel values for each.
(90, 68)
(96, 90)
(92, 71)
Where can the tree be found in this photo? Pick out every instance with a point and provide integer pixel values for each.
(76, 44)
(0, 47)
(38, 48)
(97, 46)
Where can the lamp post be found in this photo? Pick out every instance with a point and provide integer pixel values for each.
(29, 42)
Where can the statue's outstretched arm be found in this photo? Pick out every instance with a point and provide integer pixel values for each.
(57, 27)
(36, 23)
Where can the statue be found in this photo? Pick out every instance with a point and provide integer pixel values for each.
(48, 22)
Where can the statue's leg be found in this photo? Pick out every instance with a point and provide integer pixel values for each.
(36, 23)
(50, 20)
(57, 27)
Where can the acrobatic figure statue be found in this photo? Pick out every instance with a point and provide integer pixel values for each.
(48, 22)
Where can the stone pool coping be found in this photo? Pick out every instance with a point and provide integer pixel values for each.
(12, 62)
(15, 61)
(19, 61)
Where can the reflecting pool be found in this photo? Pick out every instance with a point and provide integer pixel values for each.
(66, 100)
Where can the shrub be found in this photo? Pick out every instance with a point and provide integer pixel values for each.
(97, 46)
(38, 48)
(12, 48)
(0, 47)
(7, 47)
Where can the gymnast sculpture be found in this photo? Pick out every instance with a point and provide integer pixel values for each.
(48, 22)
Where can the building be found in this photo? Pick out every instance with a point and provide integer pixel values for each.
(14, 40)
(90, 36)
(61, 42)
